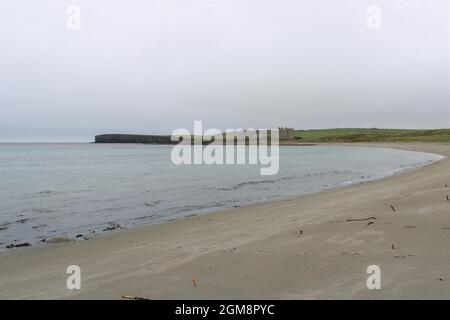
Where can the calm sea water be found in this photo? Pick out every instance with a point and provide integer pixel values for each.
(50, 190)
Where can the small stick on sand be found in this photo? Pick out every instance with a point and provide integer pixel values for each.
(448, 198)
(392, 207)
(126, 296)
(194, 282)
(362, 219)
(392, 247)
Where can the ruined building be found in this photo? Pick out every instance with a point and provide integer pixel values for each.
(286, 133)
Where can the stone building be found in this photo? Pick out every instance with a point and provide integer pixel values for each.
(286, 133)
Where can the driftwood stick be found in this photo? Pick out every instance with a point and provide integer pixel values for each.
(126, 296)
(392, 207)
(362, 219)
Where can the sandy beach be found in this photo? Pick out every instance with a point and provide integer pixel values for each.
(316, 246)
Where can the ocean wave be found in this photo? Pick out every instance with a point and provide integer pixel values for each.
(291, 177)
(244, 184)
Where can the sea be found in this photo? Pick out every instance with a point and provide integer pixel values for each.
(82, 190)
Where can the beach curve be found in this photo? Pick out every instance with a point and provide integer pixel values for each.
(313, 246)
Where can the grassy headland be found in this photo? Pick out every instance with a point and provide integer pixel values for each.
(373, 134)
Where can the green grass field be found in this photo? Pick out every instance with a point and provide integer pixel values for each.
(379, 135)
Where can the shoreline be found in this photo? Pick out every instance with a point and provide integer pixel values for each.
(239, 253)
(117, 226)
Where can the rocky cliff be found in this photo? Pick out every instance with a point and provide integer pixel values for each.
(133, 138)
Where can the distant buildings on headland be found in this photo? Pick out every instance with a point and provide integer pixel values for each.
(285, 134)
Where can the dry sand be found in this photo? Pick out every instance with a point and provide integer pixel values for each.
(259, 252)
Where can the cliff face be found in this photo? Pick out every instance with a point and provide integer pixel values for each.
(133, 138)
(285, 134)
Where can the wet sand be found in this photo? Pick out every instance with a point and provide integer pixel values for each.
(316, 246)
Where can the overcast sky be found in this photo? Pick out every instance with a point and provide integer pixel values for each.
(151, 66)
